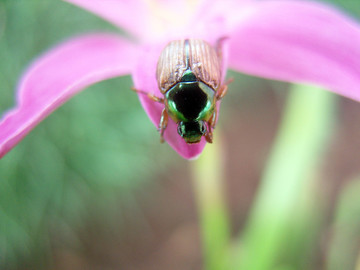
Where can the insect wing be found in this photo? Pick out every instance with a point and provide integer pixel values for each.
(205, 63)
(180, 55)
(171, 65)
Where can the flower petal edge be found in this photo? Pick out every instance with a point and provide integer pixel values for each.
(302, 42)
(58, 75)
(129, 15)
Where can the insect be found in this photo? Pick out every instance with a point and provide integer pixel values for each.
(189, 77)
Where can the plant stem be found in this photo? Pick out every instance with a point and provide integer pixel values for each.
(282, 208)
(208, 180)
(344, 245)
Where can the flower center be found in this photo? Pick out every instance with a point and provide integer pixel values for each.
(172, 14)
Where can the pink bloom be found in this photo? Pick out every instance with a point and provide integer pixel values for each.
(296, 41)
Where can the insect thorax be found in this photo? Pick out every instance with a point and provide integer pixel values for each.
(190, 100)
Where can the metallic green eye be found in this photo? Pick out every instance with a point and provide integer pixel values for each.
(192, 132)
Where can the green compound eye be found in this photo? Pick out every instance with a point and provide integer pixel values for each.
(192, 132)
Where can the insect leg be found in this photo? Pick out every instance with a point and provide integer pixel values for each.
(211, 126)
(163, 124)
(209, 135)
(212, 120)
(149, 95)
(223, 89)
(221, 92)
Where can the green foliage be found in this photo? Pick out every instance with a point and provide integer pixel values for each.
(89, 156)
(95, 149)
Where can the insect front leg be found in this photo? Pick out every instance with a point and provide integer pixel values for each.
(209, 136)
(211, 126)
(221, 92)
(223, 89)
(149, 95)
(163, 124)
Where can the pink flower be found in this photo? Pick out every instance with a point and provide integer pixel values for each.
(295, 41)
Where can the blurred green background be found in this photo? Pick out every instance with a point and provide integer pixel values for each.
(92, 188)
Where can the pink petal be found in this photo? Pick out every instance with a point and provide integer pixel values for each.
(58, 75)
(129, 15)
(144, 79)
(299, 42)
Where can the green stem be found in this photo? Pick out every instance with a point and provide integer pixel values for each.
(288, 177)
(208, 179)
(344, 245)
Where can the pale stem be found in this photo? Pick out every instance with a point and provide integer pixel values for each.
(208, 183)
